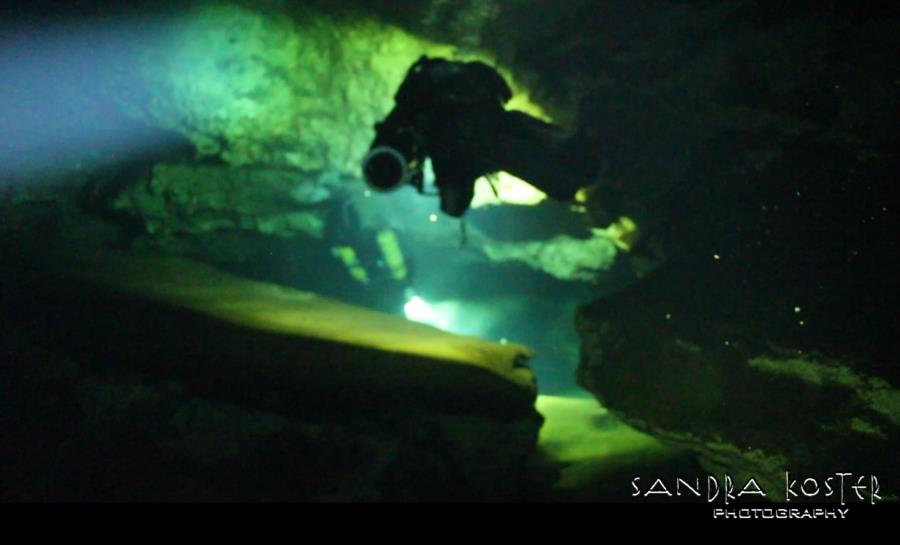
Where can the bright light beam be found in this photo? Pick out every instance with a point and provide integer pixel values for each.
(418, 310)
(62, 91)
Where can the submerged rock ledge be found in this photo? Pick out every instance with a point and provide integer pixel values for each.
(163, 379)
(747, 409)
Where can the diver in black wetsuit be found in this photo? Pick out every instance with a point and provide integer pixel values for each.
(453, 112)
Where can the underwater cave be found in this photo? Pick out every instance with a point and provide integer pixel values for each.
(208, 295)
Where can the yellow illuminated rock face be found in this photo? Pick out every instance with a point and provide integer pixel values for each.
(265, 393)
(592, 443)
(270, 309)
(622, 232)
(578, 428)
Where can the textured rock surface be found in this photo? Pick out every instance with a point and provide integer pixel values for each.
(170, 381)
(746, 409)
(563, 257)
(115, 439)
(190, 209)
(288, 88)
(598, 454)
(196, 199)
(288, 96)
(256, 87)
(756, 142)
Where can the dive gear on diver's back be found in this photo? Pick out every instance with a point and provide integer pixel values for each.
(453, 112)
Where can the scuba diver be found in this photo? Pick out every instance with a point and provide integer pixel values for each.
(453, 113)
(372, 256)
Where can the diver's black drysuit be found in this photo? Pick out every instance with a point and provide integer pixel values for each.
(453, 112)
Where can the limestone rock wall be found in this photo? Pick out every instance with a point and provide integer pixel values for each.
(197, 199)
(744, 408)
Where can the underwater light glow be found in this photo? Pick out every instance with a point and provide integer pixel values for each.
(418, 310)
(62, 105)
(482, 319)
(509, 190)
